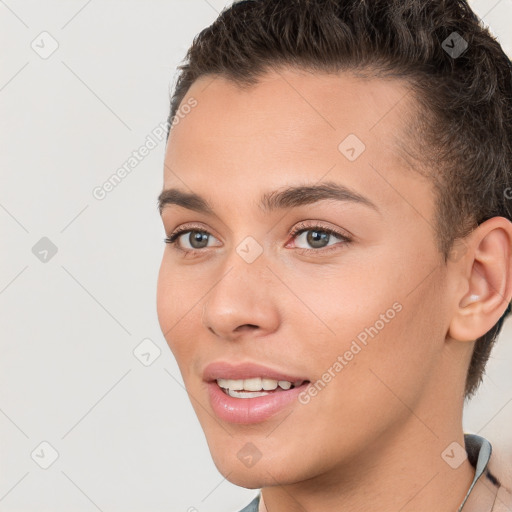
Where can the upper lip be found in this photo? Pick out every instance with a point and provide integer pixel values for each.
(225, 370)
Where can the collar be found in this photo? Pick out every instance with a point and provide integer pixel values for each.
(489, 491)
(479, 453)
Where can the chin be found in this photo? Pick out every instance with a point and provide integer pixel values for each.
(253, 478)
(247, 481)
(264, 472)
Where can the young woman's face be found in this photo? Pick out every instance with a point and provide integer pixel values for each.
(352, 303)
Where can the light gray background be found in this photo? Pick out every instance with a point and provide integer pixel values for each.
(126, 435)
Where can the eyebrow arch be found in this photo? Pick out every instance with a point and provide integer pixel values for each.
(289, 197)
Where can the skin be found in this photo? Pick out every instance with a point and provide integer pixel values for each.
(373, 437)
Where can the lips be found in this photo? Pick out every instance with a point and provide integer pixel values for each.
(225, 370)
(250, 407)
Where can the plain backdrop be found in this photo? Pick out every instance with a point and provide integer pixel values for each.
(82, 86)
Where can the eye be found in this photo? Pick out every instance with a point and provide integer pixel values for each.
(189, 239)
(321, 239)
(317, 237)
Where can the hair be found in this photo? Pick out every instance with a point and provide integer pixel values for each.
(462, 126)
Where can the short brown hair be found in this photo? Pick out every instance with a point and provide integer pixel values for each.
(460, 75)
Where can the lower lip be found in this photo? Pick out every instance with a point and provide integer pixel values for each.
(250, 410)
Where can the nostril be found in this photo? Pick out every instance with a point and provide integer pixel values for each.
(243, 327)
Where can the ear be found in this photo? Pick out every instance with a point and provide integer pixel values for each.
(486, 278)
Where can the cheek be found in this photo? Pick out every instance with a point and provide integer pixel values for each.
(165, 304)
(345, 304)
(364, 325)
(386, 353)
(175, 303)
(179, 307)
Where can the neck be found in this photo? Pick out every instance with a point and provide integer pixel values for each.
(400, 471)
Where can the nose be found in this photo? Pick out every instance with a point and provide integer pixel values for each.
(242, 302)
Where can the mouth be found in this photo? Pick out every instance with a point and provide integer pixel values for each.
(251, 393)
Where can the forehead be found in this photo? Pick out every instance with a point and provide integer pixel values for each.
(295, 125)
(291, 97)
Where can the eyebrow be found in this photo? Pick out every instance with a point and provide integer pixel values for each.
(290, 197)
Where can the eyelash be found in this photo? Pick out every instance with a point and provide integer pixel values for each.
(299, 229)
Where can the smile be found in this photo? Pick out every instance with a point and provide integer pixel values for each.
(255, 386)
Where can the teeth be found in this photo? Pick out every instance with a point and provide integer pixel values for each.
(231, 384)
(253, 384)
(245, 394)
(256, 384)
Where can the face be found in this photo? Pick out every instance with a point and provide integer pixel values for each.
(339, 286)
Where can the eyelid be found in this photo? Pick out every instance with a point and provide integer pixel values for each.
(307, 225)
(185, 228)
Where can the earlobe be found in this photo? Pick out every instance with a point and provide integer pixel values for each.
(487, 274)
